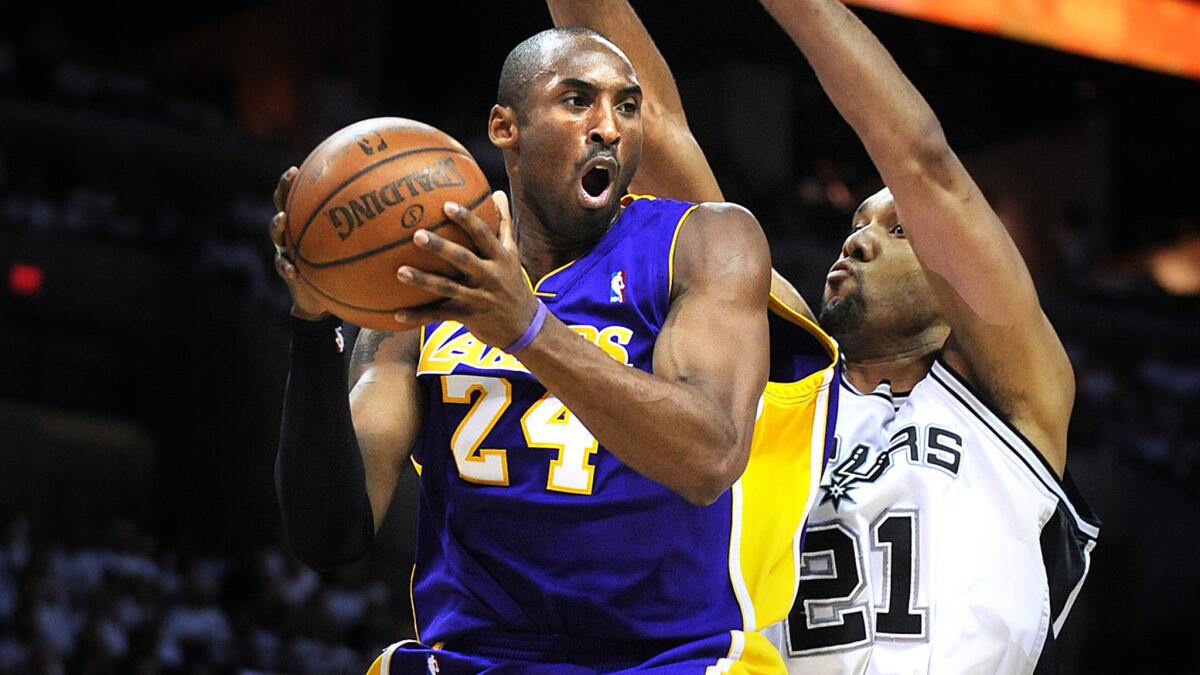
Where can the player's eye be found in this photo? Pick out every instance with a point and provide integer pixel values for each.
(628, 107)
(576, 100)
(897, 230)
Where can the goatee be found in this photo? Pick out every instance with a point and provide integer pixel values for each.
(843, 315)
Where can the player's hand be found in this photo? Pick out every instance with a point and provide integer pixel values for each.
(305, 303)
(492, 299)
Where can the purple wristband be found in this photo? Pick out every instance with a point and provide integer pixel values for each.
(539, 317)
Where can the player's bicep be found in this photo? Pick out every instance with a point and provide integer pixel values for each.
(715, 336)
(385, 404)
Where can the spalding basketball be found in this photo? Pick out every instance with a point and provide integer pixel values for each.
(356, 202)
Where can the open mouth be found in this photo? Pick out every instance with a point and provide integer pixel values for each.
(596, 182)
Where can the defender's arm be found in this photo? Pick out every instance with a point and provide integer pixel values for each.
(999, 335)
(673, 163)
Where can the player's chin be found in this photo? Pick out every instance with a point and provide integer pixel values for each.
(835, 290)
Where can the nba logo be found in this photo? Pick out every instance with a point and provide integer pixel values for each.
(432, 665)
(339, 339)
(617, 287)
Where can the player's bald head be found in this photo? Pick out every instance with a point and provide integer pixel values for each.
(535, 54)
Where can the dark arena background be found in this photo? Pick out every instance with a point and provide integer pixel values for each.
(144, 332)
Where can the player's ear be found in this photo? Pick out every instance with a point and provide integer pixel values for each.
(502, 127)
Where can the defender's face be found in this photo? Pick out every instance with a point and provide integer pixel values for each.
(581, 133)
(877, 279)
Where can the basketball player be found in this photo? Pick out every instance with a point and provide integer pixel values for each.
(581, 445)
(948, 538)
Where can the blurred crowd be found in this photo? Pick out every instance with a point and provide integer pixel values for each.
(1140, 410)
(47, 63)
(117, 600)
(224, 238)
(117, 597)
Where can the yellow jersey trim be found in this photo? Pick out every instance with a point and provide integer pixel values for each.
(741, 590)
(631, 198)
(625, 201)
(777, 490)
(811, 384)
(671, 255)
(528, 281)
(786, 311)
(412, 601)
(547, 294)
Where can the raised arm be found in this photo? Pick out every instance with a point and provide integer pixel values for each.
(673, 164)
(1000, 337)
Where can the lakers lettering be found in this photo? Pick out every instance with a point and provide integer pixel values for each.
(448, 346)
(350, 215)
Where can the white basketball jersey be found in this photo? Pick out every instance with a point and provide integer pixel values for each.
(941, 542)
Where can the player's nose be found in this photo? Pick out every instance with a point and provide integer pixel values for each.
(861, 245)
(604, 129)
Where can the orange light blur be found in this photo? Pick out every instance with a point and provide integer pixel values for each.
(1157, 34)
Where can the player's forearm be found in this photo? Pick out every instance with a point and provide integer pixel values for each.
(898, 128)
(320, 480)
(669, 432)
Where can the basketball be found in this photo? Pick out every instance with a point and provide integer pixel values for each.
(357, 201)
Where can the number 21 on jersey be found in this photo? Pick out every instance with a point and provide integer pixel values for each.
(546, 424)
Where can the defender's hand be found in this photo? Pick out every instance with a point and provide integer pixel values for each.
(493, 299)
(305, 302)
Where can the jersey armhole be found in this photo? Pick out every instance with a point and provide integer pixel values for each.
(671, 252)
(1012, 438)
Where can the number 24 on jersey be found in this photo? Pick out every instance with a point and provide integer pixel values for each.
(546, 424)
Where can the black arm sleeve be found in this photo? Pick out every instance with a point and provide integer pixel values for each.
(319, 476)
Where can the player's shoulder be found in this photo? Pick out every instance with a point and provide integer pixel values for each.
(721, 246)
(727, 213)
(722, 225)
(725, 237)
(644, 206)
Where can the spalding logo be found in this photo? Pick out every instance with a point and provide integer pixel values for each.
(348, 216)
(412, 216)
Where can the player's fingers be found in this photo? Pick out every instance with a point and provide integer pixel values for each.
(462, 258)
(285, 269)
(434, 283)
(283, 187)
(507, 238)
(276, 230)
(481, 234)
